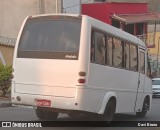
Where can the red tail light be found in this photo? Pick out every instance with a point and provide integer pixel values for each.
(81, 81)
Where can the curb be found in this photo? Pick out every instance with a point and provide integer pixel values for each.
(4, 105)
(5, 98)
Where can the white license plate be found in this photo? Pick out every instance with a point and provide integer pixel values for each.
(43, 103)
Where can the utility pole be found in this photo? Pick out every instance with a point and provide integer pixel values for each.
(61, 6)
(1, 16)
(56, 6)
(80, 6)
(42, 6)
(157, 74)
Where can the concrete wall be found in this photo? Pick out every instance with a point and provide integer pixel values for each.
(73, 6)
(6, 54)
(13, 12)
(153, 51)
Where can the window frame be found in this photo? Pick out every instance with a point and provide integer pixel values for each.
(148, 67)
(143, 72)
(132, 44)
(123, 42)
(124, 55)
(93, 30)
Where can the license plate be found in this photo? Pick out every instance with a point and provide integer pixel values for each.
(43, 102)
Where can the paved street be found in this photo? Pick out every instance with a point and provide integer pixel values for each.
(28, 114)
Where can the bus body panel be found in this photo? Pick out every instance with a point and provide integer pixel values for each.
(115, 80)
(141, 82)
(44, 77)
(84, 102)
(106, 98)
(148, 90)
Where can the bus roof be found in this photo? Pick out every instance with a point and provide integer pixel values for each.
(52, 14)
(104, 27)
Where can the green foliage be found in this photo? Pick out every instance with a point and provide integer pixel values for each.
(5, 78)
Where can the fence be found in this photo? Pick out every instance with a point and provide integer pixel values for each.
(7, 41)
(149, 39)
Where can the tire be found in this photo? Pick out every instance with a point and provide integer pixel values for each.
(145, 108)
(74, 115)
(40, 113)
(50, 115)
(109, 112)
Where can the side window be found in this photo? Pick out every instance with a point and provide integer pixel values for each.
(117, 52)
(100, 49)
(92, 51)
(133, 57)
(126, 55)
(148, 67)
(110, 54)
(142, 62)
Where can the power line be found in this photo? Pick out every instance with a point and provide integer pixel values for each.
(76, 5)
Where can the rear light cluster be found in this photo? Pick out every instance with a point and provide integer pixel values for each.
(82, 80)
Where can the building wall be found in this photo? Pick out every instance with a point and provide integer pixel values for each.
(13, 12)
(154, 51)
(71, 6)
(74, 6)
(6, 54)
(103, 11)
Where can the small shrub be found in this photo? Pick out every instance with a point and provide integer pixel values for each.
(5, 78)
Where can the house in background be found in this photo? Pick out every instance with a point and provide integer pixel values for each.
(130, 17)
(12, 14)
(133, 18)
(6, 53)
(154, 52)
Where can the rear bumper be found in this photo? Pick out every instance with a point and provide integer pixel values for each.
(87, 100)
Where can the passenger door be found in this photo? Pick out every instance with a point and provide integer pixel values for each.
(141, 82)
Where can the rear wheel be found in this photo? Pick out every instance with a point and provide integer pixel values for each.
(144, 109)
(74, 115)
(40, 113)
(109, 112)
(50, 115)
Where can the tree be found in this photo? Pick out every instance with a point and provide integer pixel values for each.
(5, 78)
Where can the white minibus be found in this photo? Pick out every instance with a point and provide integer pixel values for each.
(77, 65)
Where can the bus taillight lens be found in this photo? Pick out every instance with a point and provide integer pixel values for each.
(82, 73)
(81, 81)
